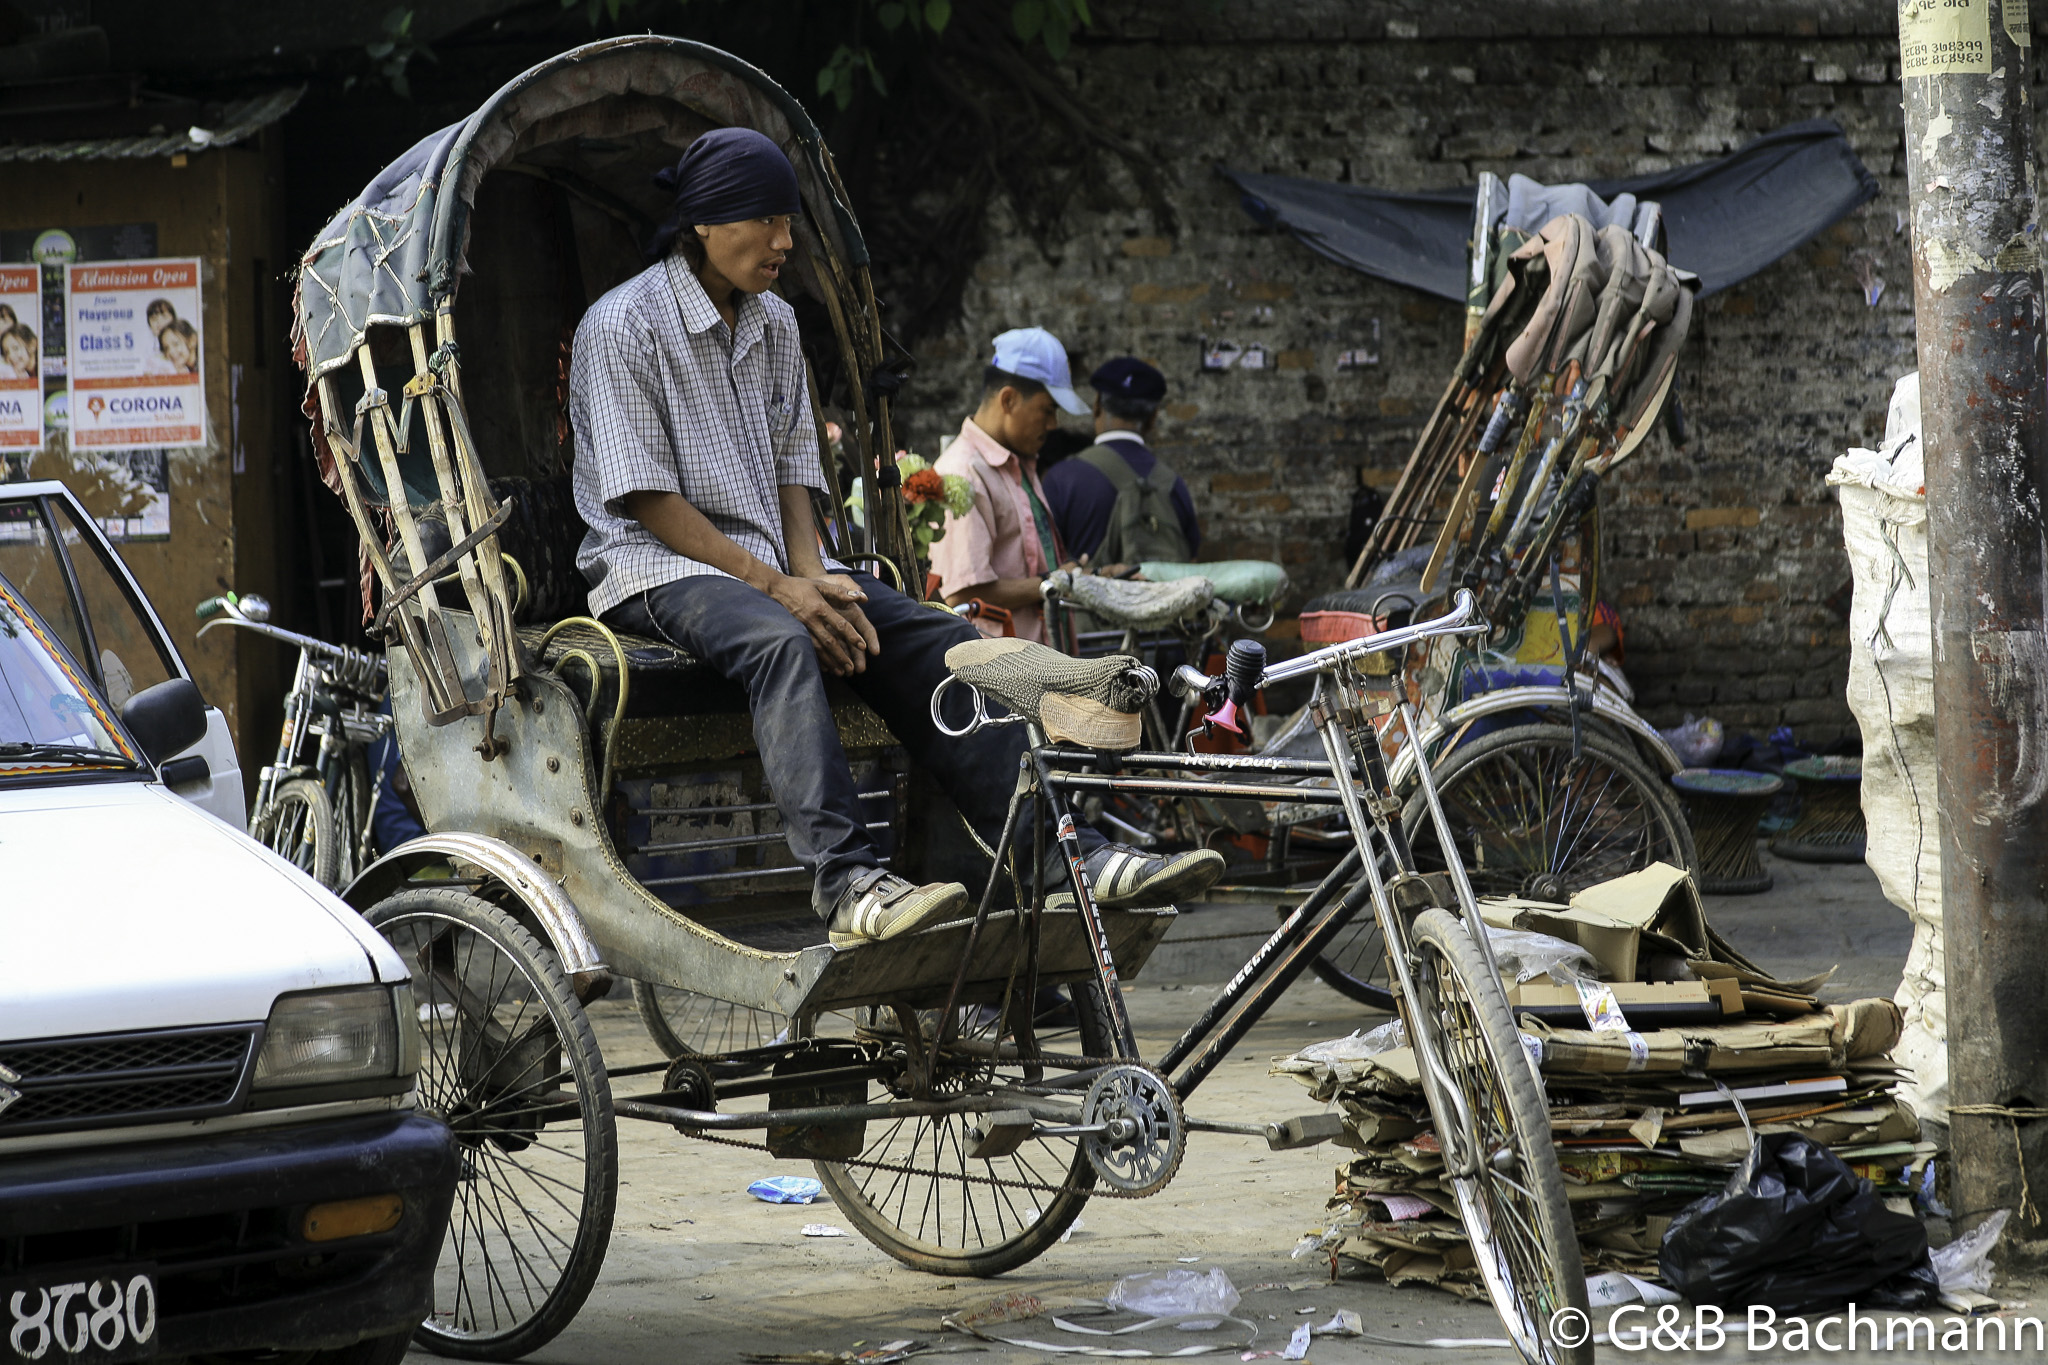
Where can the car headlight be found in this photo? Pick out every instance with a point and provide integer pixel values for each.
(331, 1037)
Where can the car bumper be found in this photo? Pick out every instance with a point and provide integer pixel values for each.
(218, 1220)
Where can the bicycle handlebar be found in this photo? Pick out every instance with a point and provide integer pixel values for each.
(1462, 619)
(226, 610)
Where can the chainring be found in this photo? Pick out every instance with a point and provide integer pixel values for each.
(1145, 1160)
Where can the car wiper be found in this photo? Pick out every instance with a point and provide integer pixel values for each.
(66, 753)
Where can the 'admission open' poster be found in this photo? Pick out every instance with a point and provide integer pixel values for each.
(136, 372)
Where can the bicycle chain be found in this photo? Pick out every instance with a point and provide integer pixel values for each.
(1099, 1189)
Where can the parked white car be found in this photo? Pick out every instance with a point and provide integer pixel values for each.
(208, 1139)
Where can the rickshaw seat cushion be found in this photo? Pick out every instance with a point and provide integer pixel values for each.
(662, 680)
(1097, 703)
(1348, 613)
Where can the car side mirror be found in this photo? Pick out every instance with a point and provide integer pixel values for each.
(166, 718)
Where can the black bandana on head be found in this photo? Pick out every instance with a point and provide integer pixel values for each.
(726, 176)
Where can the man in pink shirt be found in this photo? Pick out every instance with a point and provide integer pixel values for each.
(1002, 549)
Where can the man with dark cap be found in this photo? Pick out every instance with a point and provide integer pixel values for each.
(695, 460)
(1115, 503)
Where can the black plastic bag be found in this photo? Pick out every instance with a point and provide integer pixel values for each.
(1799, 1231)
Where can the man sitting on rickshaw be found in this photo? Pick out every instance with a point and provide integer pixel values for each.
(695, 460)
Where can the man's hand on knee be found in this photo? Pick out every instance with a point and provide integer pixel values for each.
(829, 608)
(846, 595)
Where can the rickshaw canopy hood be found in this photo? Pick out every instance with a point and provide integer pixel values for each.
(396, 253)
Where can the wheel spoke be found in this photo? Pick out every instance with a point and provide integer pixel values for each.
(1531, 818)
(917, 1192)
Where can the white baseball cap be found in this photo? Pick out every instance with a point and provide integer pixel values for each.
(1034, 353)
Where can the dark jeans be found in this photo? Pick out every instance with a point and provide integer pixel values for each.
(752, 639)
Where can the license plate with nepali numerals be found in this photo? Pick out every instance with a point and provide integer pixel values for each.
(80, 1319)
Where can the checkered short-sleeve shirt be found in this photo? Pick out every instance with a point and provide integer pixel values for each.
(663, 398)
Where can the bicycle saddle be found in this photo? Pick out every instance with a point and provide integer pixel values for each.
(1095, 703)
(1132, 605)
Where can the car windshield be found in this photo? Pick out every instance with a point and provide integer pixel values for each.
(50, 718)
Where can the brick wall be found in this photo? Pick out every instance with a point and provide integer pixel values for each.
(1721, 557)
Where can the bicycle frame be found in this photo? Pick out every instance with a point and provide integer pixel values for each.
(1371, 810)
(335, 685)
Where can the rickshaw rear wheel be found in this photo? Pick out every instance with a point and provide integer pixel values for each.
(508, 1060)
(915, 1193)
(1534, 819)
(683, 1023)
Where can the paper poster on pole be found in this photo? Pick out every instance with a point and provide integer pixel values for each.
(134, 354)
(1937, 37)
(21, 358)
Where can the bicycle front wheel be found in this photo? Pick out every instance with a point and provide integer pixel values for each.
(1513, 1202)
(298, 826)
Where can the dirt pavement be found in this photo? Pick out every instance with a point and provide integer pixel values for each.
(700, 1271)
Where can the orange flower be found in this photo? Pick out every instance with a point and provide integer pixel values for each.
(926, 485)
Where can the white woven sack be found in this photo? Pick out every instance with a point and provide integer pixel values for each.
(1891, 693)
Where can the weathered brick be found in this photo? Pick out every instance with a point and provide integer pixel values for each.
(1163, 293)
(1700, 518)
(1780, 374)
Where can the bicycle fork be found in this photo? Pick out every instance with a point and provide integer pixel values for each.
(1395, 902)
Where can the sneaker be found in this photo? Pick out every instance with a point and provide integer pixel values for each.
(1120, 876)
(879, 905)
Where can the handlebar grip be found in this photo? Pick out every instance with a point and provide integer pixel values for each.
(212, 607)
(1242, 668)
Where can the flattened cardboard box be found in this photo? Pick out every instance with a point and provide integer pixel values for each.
(1806, 1041)
(1707, 998)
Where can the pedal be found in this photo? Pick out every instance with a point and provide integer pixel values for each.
(999, 1133)
(1307, 1131)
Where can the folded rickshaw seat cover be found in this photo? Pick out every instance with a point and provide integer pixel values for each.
(1724, 220)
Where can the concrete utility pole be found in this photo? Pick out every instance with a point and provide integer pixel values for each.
(1984, 412)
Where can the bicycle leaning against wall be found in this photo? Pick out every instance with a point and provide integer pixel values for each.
(316, 800)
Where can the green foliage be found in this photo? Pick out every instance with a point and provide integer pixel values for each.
(1051, 22)
(397, 48)
(836, 77)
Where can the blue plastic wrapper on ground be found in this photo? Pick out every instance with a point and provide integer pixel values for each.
(786, 1189)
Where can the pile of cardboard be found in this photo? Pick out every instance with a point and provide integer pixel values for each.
(1649, 1035)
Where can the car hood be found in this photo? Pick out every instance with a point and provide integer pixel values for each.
(122, 907)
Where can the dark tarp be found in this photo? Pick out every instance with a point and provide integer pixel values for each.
(1724, 220)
